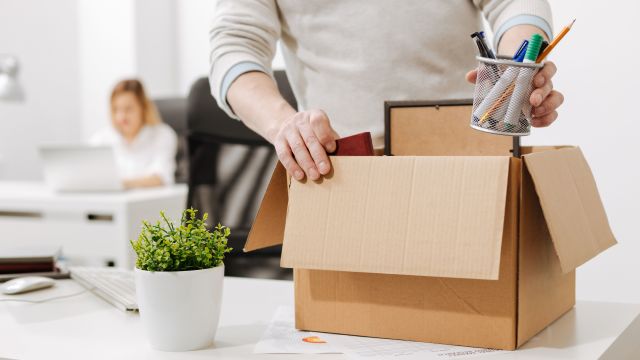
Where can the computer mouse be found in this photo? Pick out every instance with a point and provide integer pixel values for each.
(25, 284)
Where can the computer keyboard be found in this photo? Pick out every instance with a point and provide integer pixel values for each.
(113, 285)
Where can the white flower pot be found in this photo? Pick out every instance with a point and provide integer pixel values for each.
(180, 309)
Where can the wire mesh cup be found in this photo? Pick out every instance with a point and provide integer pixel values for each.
(501, 99)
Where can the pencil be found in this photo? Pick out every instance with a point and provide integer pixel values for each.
(555, 42)
(498, 102)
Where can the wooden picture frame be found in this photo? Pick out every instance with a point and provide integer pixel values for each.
(439, 128)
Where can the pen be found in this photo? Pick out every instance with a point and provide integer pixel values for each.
(481, 49)
(490, 53)
(499, 82)
(519, 55)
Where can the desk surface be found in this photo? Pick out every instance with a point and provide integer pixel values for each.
(38, 191)
(86, 327)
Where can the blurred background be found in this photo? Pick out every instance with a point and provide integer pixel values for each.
(70, 53)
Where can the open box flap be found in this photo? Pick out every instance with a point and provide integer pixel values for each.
(571, 205)
(427, 216)
(268, 226)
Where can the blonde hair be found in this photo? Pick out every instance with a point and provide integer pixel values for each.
(150, 114)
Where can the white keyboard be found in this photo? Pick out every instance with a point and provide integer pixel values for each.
(114, 285)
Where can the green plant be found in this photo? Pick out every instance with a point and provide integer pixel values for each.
(190, 246)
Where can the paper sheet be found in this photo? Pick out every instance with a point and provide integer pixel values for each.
(281, 337)
(364, 348)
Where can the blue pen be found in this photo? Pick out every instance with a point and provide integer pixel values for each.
(519, 55)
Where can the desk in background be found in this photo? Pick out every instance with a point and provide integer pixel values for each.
(91, 228)
(86, 327)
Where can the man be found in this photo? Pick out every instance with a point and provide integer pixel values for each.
(344, 58)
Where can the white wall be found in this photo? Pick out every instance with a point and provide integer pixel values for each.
(121, 39)
(596, 74)
(42, 34)
(156, 46)
(194, 19)
(106, 54)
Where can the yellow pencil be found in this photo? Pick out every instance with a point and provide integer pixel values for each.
(555, 42)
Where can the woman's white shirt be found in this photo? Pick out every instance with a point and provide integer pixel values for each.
(152, 151)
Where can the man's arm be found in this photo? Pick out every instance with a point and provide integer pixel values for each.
(301, 139)
(512, 38)
(243, 39)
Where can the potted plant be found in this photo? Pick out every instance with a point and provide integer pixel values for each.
(179, 275)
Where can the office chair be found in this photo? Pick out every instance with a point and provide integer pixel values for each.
(173, 112)
(229, 168)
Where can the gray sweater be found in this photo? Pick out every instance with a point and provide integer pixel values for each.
(348, 56)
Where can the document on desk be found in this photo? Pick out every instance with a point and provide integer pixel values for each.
(281, 337)
(365, 348)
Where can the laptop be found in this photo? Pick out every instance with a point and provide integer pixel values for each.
(80, 168)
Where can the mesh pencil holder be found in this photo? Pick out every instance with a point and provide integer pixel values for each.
(501, 98)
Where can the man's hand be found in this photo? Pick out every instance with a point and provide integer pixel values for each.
(544, 99)
(302, 142)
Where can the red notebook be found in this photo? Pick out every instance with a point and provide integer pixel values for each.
(355, 145)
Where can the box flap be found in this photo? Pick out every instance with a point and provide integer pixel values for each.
(268, 226)
(571, 205)
(428, 216)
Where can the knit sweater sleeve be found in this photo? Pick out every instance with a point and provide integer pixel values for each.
(503, 14)
(241, 32)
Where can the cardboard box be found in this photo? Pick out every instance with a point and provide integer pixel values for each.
(467, 250)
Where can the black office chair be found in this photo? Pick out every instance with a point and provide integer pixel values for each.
(173, 112)
(229, 168)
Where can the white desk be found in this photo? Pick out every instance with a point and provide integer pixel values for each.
(91, 228)
(86, 327)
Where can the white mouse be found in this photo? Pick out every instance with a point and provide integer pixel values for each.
(26, 284)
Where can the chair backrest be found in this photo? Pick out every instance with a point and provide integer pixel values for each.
(229, 164)
(173, 112)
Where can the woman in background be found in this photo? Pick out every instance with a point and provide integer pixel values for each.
(145, 147)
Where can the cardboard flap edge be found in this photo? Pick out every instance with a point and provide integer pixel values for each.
(268, 227)
(571, 205)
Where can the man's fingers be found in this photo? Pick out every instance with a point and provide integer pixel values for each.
(301, 153)
(544, 121)
(320, 125)
(472, 76)
(539, 95)
(286, 158)
(550, 104)
(312, 142)
(545, 74)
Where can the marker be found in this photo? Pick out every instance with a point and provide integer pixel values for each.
(543, 46)
(555, 42)
(522, 81)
